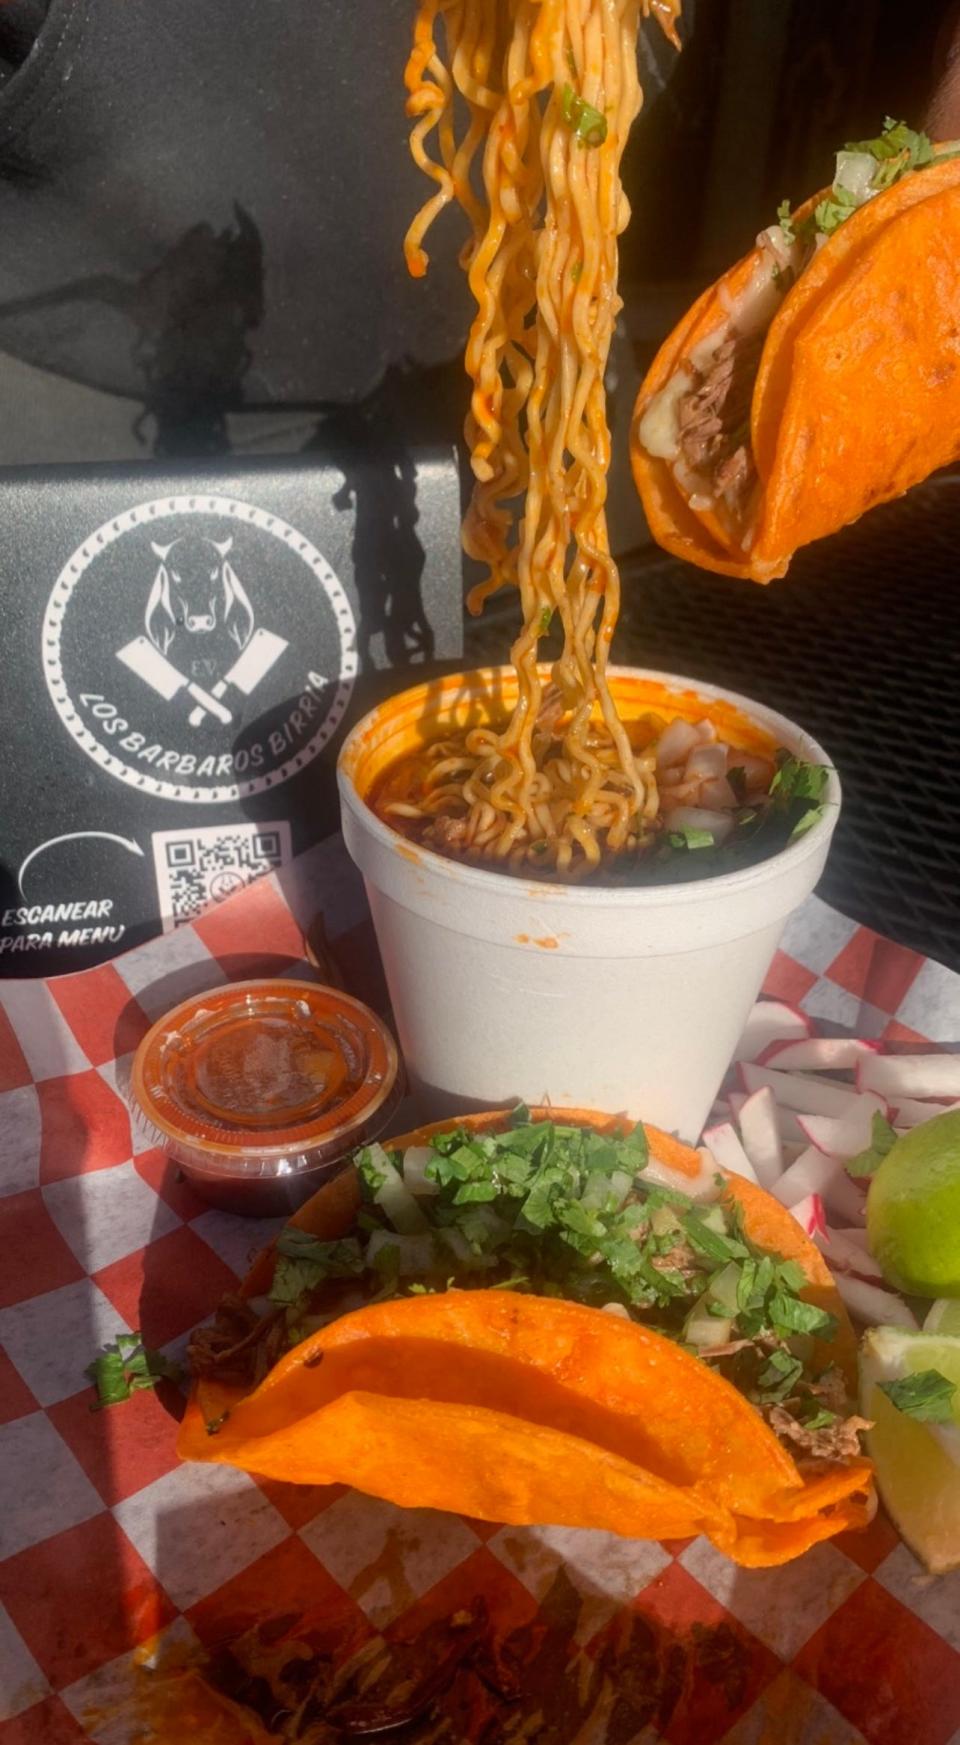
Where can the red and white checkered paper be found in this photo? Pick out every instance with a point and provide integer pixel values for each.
(107, 1542)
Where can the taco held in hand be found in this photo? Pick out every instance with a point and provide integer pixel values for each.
(546, 1319)
(820, 376)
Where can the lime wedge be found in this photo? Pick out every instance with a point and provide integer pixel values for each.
(917, 1462)
(944, 1317)
(913, 1210)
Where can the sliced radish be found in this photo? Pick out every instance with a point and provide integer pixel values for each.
(706, 762)
(810, 1214)
(787, 1123)
(847, 1134)
(845, 1200)
(856, 1235)
(771, 1021)
(812, 1173)
(726, 1148)
(676, 743)
(907, 1112)
(818, 1054)
(878, 1308)
(846, 1255)
(801, 1091)
(912, 1075)
(761, 1136)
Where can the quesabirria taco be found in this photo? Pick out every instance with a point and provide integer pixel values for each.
(820, 375)
(546, 1317)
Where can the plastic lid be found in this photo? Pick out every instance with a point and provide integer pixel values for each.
(265, 1069)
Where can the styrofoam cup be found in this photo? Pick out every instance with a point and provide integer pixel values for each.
(626, 999)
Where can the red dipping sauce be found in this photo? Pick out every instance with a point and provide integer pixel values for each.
(261, 1091)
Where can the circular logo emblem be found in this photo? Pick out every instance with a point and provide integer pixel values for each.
(199, 649)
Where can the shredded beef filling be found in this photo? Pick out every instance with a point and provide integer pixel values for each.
(715, 417)
(839, 1441)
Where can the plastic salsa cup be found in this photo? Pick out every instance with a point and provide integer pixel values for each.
(261, 1090)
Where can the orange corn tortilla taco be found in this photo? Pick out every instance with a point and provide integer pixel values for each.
(820, 376)
(514, 1405)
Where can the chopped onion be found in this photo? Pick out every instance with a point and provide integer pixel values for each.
(697, 818)
(416, 1255)
(397, 1201)
(706, 762)
(676, 743)
(757, 773)
(705, 1330)
(697, 1187)
(855, 172)
(718, 796)
(616, 1309)
(415, 1161)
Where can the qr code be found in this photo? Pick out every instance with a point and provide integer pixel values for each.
(197, 868)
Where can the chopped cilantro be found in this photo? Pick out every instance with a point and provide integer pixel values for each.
(830, 213)
(791, 1275)
(710, 1242)
(690, 837)
(791, 1315)
(882, 1140)
(303, 1263)
(785, 220)
(125, 1367)
(820, 1420)
(898, 141)
(587, 123)
(778, 1377)
(369, 1162)
(926, 1395)
(896, 151)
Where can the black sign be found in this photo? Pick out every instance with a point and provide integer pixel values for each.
(183, 654)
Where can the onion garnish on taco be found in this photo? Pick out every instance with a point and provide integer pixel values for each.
(547, 1320)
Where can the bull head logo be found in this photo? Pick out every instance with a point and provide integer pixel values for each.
(197, 592)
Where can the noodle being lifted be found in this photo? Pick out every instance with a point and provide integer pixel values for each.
(550, 89)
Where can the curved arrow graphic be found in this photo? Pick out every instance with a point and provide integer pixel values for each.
(76, 836)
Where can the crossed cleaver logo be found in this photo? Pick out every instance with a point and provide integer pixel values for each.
(199, 618)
